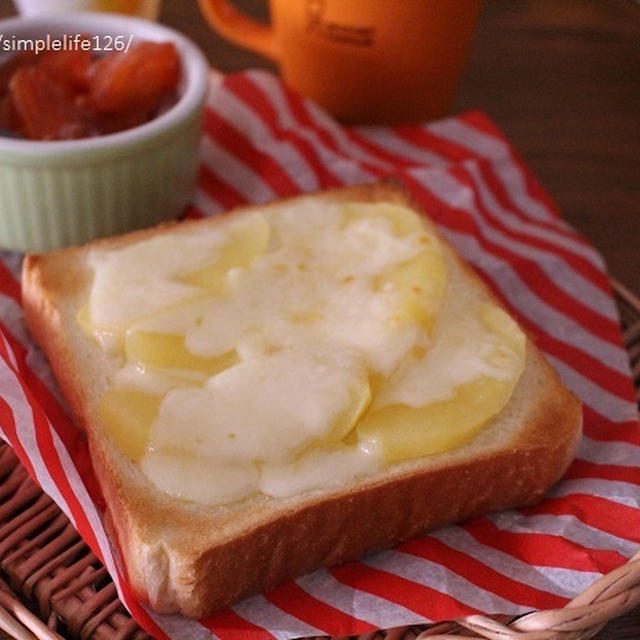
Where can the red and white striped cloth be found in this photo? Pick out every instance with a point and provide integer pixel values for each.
(262, 142)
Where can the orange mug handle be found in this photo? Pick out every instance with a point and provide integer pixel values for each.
(240, 28)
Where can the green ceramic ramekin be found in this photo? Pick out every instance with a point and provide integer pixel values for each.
(58, 193)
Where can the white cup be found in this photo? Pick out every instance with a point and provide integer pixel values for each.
(148, 9)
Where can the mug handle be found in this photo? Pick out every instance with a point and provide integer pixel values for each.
(239, 28)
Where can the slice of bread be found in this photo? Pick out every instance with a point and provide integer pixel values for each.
(193, 558)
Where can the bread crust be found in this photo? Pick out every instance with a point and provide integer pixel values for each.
(195, 559)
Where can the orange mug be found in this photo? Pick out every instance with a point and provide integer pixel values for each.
(366, 61)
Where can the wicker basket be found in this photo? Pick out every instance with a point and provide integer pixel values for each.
(52, 585)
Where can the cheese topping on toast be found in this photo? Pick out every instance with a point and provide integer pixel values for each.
(294, 349)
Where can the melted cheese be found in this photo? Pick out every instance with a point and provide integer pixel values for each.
(270, 346)
(148, 276)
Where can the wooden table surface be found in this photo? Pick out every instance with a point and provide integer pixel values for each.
(561, 78)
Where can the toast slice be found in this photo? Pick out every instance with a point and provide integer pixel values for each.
(193, 557)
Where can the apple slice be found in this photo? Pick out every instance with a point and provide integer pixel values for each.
(126, 415)
(404, 432)
(422, 282)
(168, 351)
(360, 398)
(496, 353)
(248, 240)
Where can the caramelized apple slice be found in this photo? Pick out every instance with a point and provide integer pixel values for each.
(346, 420)
(497, 355)
(11, 65)
(248, 239)
(108, 337)
(135, 80)
(69, 68)
(126, 415)
(422, 281)
(167, 351)
(404, 432)
(45, 110)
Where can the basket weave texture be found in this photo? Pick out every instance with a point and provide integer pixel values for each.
(52, 586)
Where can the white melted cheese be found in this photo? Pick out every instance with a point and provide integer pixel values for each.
(200, 478)
(262, 409)
(142, 278)
(310, 324)
(327, 467)
(317, 286)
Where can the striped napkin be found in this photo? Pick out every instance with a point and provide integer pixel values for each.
(263, 142)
